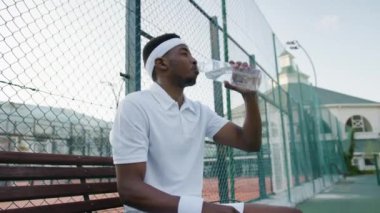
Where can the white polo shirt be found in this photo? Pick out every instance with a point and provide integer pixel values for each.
(149, 127)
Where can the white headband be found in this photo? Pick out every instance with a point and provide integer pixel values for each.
(159, 51)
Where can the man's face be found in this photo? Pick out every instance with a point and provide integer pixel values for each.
(183, 69)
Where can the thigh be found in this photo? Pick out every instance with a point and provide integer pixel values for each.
(262, 208)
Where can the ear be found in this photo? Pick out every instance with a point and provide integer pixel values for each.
(161, 64)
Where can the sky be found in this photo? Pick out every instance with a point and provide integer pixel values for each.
(43, 45)
(341, 37)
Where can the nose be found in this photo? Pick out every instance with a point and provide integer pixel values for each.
(194, 61)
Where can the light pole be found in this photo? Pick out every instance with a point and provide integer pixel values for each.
(296, 45)
(112, 86)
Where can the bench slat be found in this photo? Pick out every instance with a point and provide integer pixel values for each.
(14, 193)
(72, 207)
(49, 173)
(44, 166)
(52, 159)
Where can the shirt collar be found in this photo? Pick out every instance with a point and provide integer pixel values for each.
(166, 101)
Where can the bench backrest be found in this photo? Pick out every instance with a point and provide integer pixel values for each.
(80, 174)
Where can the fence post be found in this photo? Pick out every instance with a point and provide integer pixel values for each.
(321, 158)
(260, 158)
(282, 120)
(305, 132)
(221, 151)
(303, 139)
(375, 156)
(335, 148)
(293, 149)
(132, 46)
(228, 96)
(340, 146)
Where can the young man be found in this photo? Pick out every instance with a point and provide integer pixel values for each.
(158, 136)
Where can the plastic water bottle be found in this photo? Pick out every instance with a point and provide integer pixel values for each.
(246, 77)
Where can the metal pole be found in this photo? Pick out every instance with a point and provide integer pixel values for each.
(221, 151)
(305, 133)
(297, 45)
(260, 158)
(132, 46)
(282, 119)
(340, 145)
(335, 148)
(303, 139)
(293, 149)
(318, 144)
(377, 169)
(229, 114)
(311, 62)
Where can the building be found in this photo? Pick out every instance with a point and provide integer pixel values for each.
(357, 117)
(35, 128)
(319, 133)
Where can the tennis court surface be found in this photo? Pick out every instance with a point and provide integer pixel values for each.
(358, 194)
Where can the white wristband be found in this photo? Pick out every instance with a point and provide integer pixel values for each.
(190, 204)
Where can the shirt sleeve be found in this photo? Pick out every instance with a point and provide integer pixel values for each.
(129, 134)
(214, 122)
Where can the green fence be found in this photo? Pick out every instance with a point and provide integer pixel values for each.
(377, 170)
(65, 64)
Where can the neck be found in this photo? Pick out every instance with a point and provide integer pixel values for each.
(175, 92)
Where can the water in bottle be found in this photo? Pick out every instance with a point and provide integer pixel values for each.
(246, 77)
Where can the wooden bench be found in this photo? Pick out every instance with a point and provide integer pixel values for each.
(71, 183)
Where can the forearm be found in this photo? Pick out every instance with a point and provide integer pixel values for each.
(252, 124)
(147, 198)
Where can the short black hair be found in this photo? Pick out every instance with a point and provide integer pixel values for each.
(153, 43)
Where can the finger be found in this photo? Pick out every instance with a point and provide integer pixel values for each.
(234, 65)
(228, 85)
(245, 67)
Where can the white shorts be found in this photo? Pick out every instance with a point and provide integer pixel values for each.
(238, 206)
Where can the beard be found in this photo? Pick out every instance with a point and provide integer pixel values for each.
(185, 82)
(190, 81)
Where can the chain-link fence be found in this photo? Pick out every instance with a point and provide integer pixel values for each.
(377, 170)
(59, 78)
(60, 84)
